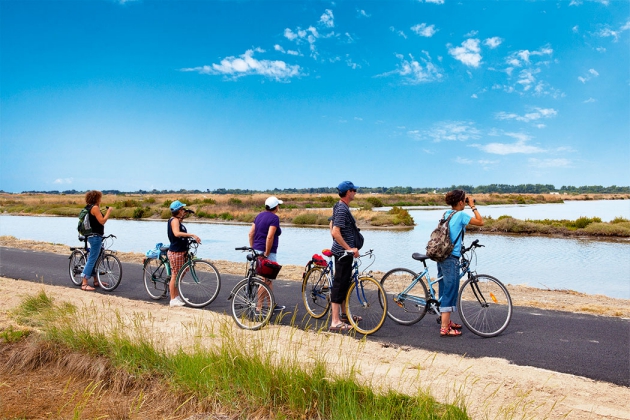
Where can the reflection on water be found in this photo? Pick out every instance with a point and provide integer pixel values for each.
(587, 266)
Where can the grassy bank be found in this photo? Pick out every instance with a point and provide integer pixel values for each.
(237, 377)
(583, 226)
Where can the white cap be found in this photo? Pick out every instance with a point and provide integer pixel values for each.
(272, 202)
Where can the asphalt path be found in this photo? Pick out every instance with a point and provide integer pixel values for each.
(591, 346)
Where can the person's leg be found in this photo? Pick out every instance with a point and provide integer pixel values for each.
(449, 270)
(88, 271)
(176, 260)
(341, 284)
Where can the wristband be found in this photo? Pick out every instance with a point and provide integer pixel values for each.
(474, 209)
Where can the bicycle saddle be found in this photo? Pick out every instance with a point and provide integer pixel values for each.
(420, 257)
(163, 248)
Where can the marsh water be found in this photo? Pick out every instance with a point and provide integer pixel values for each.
(585, 265)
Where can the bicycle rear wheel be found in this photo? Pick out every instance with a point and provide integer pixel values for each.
(198, 283)
(156, 278)
(252, 304)
(366, 305)
(316, 292)
(76, 266)
(409, 307)
(484, 305)
(109, 272)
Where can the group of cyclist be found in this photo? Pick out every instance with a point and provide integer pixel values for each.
(264, 235)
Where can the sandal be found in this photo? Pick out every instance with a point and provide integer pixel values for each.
(455, 326)
(87, 288)
(449, 332)
(355, 318)
(343, 327)
(95, 284)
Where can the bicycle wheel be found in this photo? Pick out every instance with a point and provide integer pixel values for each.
(484, 305)
(316, 292)
(156, 278)
(198, 283)
(404, 306)
(109, 272)
(252, 304)
(76, 266)
(367, 302)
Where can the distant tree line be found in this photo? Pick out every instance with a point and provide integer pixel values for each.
(481, 189)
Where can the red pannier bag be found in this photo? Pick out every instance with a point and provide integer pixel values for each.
(267, 268)
(319, 260)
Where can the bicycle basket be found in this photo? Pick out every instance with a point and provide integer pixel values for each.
(267, 268)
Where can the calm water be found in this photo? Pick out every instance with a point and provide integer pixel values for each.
(587, 266)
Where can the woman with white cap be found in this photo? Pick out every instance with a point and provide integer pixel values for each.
(263, 236)
(178, 248)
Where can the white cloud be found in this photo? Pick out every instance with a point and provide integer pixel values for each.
(607, 32)
(423, 30)
(463, 161)
(327, 19)
(575, 3)
(474, 96)
(363, 13)
(290, 35)
(433, 1)
(590, 100)
(416, 71)
(591, 74)
(575, 29)
(468, 53)
(397, 32)
(63, 181)
(536, 114)
(493, 42)
(246, 65)
(471, 34)
(550, 163)
(448, 131)
(510, 148)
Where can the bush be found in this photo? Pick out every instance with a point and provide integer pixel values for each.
(140, 212)
(235, 202)
(619, 219)
(226, 216)
(310, 219)
(582, 222)
(328, 200)
(401, 216)
(375, 202)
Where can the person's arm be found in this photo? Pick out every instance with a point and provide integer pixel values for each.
(251, 235)
(96, 212)
(476, 220)
(179, 234)
(336, 234)
(269, 241)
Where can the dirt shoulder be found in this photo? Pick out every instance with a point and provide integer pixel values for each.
(561, 300)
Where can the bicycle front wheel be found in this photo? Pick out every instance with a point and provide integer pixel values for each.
(316, 292)
(405, 305)
(156, 278)
(109, 272)
(198, 283)
(484, 305)
(252, 304)
(366, 305)
(76, 266)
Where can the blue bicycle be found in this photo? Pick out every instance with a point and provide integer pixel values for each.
(484, 304)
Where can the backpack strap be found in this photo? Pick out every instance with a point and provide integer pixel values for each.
(461, 232)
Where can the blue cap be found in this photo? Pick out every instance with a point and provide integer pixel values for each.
(176, 205)
(345, 186)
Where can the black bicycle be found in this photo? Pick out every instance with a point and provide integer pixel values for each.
(108, 268)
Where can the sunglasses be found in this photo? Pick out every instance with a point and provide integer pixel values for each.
(353, 190)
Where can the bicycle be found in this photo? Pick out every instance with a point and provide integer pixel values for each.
(484, 303)
(108, 268)
(198, 281)
(365, 316)
(252, 301)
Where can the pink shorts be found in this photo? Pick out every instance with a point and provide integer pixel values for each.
(177, 259)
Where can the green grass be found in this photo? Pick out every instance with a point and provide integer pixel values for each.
(238, 373)
(619, 227)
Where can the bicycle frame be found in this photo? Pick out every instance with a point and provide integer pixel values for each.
(355, 276)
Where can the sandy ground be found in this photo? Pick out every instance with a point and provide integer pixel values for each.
(490, 388)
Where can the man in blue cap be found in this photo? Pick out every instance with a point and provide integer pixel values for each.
(343, 225)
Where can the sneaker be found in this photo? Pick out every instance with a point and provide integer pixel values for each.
(279, 308)
(177, 302)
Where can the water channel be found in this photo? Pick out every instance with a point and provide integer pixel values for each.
(585, 265)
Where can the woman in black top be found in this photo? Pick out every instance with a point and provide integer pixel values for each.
(97, 221)
(178, 248)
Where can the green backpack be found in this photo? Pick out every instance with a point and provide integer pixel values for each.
(84, 226)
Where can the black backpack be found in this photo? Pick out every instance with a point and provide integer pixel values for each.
(84, 226)
(440, 245)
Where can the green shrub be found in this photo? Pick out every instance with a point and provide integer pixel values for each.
(226, 216)
(310, 219)
(235, 202)
(375, 201)
(165, 214)
(329, 200)
(401, 216)
(209, 201)
(619, 219)
(140, 212)
(582, 222)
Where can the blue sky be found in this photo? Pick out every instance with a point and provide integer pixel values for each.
(147, 94)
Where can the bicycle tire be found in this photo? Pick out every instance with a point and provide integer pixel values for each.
(109, 272)
(198, 282)
(316, 292)
(484, 305)
(410, 308)
(366, 299)
(76, 266)
(156, 279)
(245, 297)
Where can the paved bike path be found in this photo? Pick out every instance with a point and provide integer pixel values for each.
(585, 345)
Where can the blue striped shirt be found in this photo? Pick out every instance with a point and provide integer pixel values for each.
(342, 218)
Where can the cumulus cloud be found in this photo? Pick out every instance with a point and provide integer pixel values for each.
(63, 181)
(448, 131)
(523, 70)
(415, 71)
(493, 42)
(327, 19)
(549, 163)
(423, 30)
(246, 64)
(536, 114)
(612, 33)
(468, 53)
(520, 146)
(588, 76)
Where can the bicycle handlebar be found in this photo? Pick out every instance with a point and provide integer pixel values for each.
(474, 244)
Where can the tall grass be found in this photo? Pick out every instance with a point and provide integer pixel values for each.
(238, 372)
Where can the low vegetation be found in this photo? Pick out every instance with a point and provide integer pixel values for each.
(236, 378)
(583, 226)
